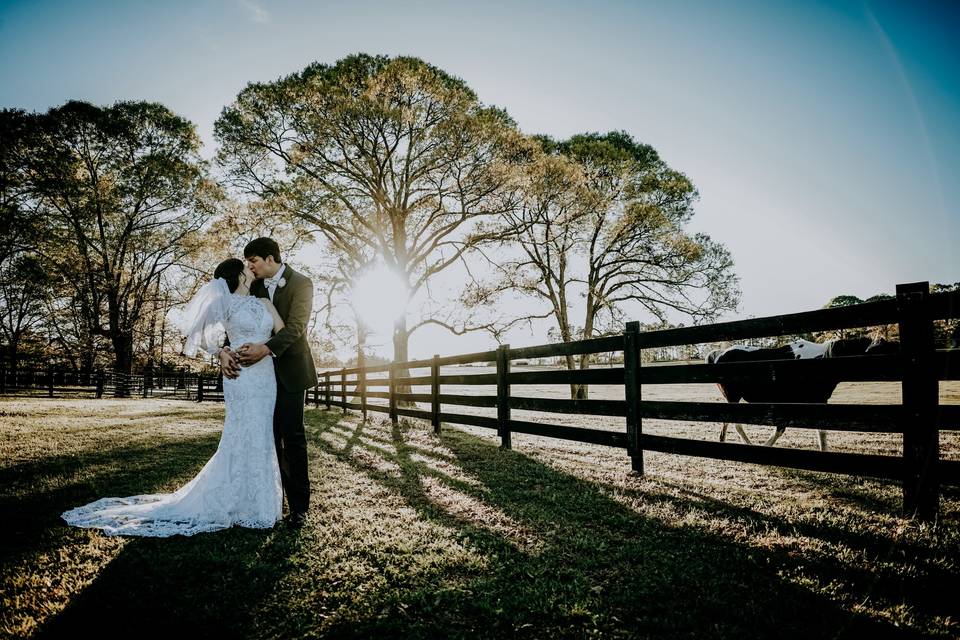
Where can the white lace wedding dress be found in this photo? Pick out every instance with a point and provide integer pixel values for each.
(240, 484)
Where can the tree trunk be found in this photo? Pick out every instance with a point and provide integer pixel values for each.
(570, 360)
(123, 362)
(401, 339)
(361, 360)
(88, 360)
(582, 390)
(13, 353)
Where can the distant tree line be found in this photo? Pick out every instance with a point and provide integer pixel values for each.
(946, 332)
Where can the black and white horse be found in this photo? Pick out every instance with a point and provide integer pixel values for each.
(799, 391)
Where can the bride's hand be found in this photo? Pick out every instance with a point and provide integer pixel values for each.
(229, 364)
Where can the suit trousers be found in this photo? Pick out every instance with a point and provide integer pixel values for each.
(291, 441)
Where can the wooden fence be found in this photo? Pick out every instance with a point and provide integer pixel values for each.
(918, 367)
(60, 383)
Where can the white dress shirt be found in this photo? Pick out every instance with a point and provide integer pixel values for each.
(272, 288)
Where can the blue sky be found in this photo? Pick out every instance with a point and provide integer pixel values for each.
(824, 138)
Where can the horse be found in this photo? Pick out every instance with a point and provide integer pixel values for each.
(809, 391)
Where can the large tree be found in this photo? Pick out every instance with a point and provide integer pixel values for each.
(600, 234)
(124, 193)
(24, 289)
(23, 282)
(385, 156)
(19, 218)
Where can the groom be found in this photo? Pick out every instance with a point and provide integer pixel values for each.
(292, 294)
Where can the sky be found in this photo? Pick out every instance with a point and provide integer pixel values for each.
(823, 137)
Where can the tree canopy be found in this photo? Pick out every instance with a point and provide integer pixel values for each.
(600, 229)
(123, 192)
(390, 157)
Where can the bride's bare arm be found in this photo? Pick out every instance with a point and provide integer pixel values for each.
(277, 320)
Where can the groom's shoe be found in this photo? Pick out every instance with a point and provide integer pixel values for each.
(297, 520)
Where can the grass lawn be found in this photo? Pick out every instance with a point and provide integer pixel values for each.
(415, 535)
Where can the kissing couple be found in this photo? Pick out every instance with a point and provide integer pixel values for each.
(253, 316)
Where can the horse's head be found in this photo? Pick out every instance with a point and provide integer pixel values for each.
(881, 346)
(840, 347)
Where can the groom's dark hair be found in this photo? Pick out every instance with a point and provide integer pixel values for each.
(263, 247)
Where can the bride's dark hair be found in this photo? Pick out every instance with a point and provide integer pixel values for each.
(230, 270)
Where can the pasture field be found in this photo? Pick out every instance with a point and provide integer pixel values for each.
(416, 535)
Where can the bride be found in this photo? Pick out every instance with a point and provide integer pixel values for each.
(240, 484)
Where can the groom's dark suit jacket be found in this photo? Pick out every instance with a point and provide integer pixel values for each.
(294, 362)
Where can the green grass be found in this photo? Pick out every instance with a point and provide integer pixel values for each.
(414, 535)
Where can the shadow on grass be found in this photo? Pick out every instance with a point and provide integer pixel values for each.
(35, 493)
(590, 566)
(602, 568)
(929, 586)
(208, 585)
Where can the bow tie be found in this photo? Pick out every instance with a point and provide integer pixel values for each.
(271, 282)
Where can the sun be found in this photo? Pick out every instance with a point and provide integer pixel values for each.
(378, 297)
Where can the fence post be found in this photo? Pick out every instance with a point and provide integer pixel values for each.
(394, 420)
(921, 438)
(316, 394)
(343, 389)
(631, 389)
(199, 388)
(326, 382)
(50, 381)
(3, 378)
(503, 396)
(435, 393)
(100, 383)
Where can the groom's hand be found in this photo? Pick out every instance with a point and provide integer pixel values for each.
(229, 364)
(252, 353)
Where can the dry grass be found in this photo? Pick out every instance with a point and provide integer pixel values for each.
(414, 535)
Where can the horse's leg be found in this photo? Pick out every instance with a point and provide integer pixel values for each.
(723, 432)
(743, 434)
(776, 436)
(822, 435)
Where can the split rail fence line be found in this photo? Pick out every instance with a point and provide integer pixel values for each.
(918, 367)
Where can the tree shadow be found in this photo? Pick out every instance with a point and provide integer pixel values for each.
(600, 567)
(929, 588)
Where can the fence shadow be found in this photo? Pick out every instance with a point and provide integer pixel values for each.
(598, 565)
